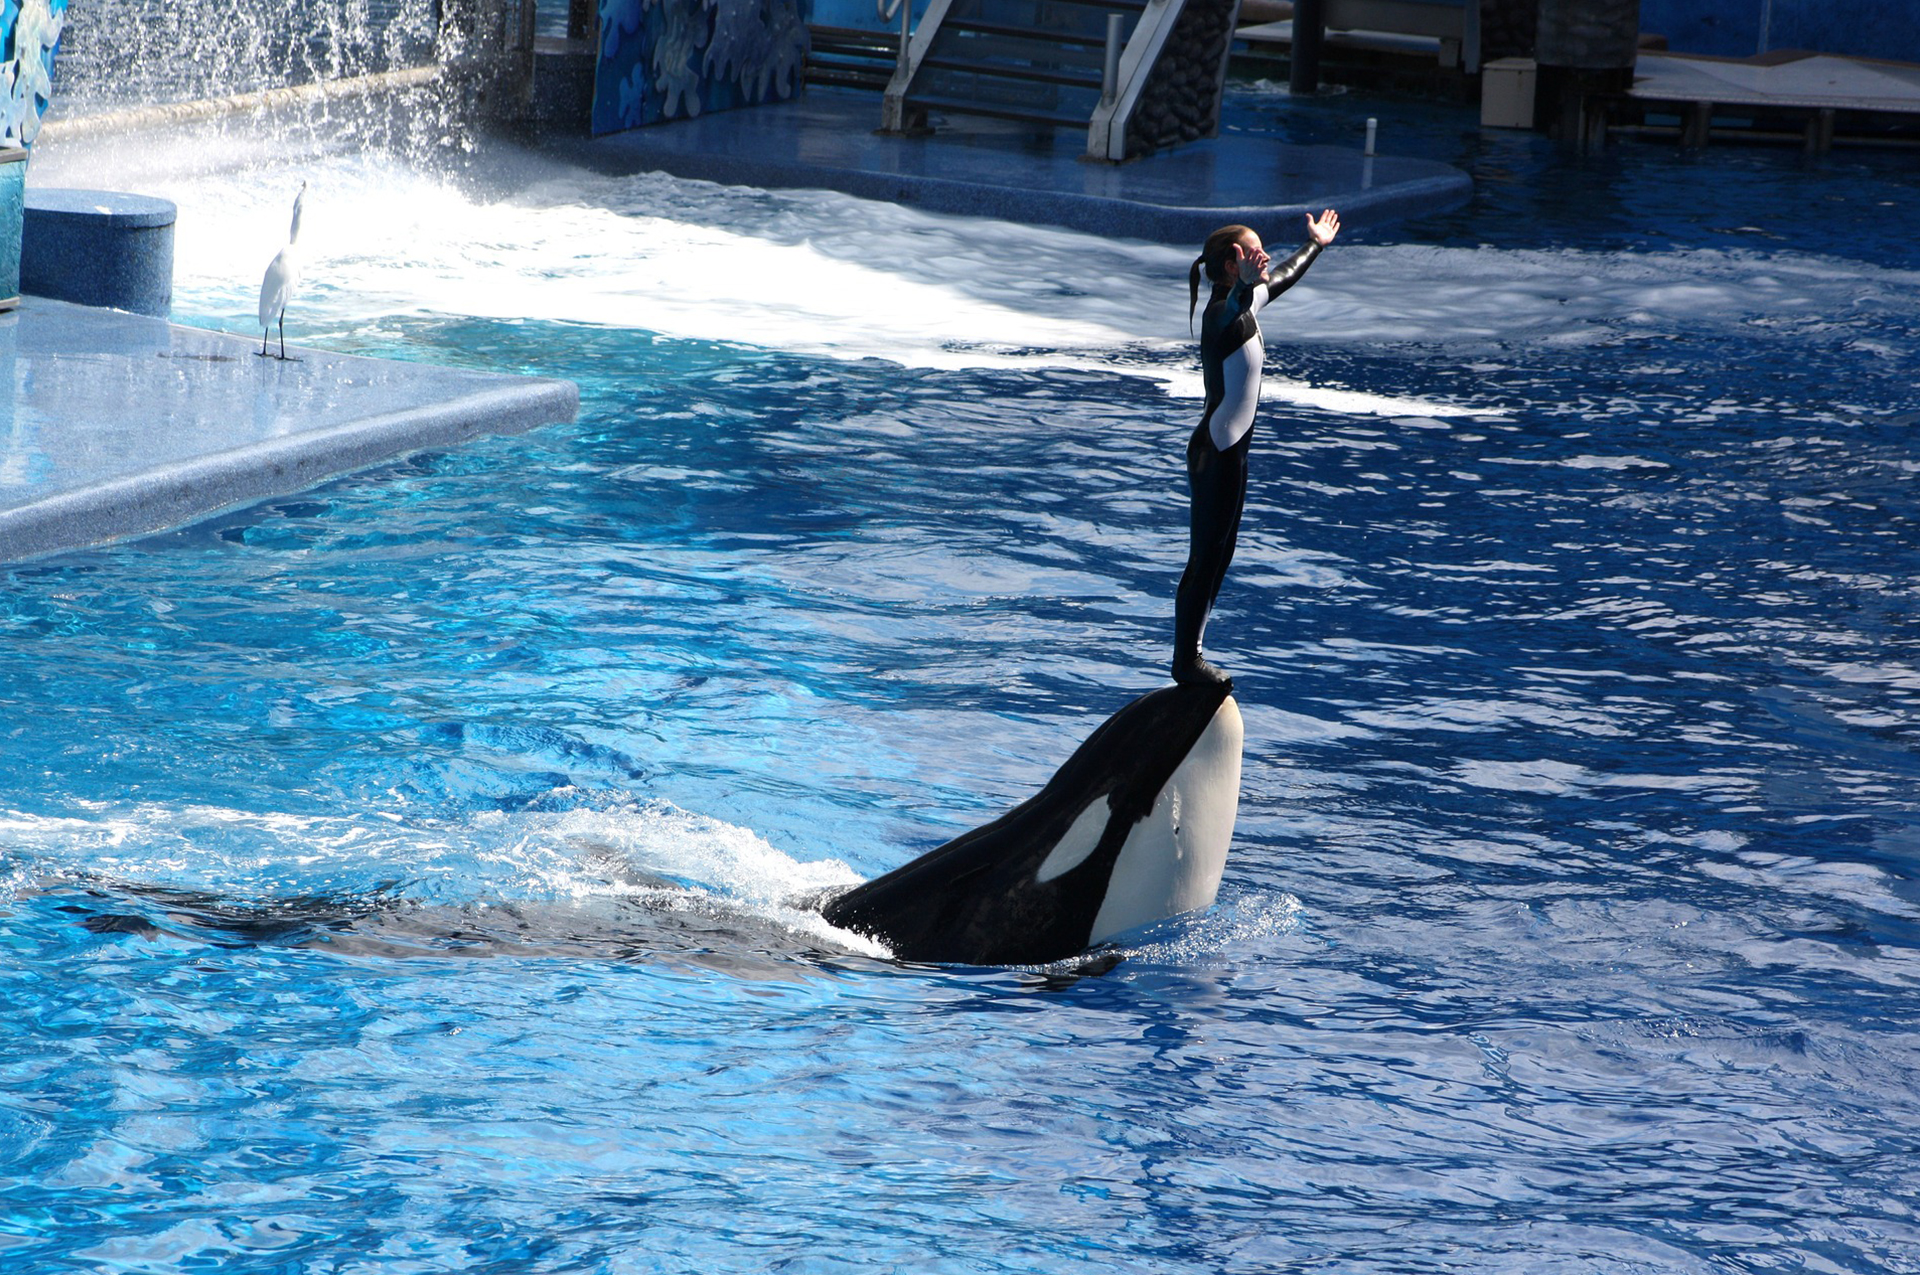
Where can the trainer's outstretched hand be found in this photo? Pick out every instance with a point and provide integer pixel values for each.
(1323, 231)
(1251, 263)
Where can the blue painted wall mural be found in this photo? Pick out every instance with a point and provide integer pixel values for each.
(32, 31)
(675, 59)
(29, 32)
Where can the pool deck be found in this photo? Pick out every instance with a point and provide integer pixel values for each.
(120, 425)
(1784, 79)
(826, 139)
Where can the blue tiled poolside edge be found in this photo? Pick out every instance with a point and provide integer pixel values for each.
(826, 140)
(120, 425)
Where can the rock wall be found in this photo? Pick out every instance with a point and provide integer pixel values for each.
(1181, 101)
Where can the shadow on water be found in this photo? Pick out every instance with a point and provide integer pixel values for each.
(662, 924)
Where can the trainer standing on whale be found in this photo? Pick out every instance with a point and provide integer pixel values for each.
(1231, 355)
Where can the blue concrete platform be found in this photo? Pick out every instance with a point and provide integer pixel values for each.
(98, 247)
(826, 140)
(120, 425)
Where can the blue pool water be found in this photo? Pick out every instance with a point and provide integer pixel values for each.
(395, 878)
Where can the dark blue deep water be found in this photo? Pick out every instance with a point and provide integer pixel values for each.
(392, 878)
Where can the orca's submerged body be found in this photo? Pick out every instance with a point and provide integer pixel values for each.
(1133, 828)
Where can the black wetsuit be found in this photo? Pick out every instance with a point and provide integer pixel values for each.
(1231, 355)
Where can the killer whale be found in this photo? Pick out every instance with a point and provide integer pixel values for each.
(1133, 828)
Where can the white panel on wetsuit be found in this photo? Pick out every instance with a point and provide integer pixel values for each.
(1240, 372)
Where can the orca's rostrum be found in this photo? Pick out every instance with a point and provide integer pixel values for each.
(1133, 828)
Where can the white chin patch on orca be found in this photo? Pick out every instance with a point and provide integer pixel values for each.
(1172, 860)
(1078, 841)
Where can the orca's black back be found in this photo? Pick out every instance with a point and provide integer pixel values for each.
(974, 900)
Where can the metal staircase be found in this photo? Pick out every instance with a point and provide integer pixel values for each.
(851, 57)
(1076, 64)
(1032, 61)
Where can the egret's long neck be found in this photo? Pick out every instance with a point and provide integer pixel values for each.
(293, 233)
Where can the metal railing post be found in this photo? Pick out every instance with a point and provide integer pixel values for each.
(1110, 72)
(905, 9)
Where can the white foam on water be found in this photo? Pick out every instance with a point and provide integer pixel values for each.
(819, 273)
(652, 853)
(670, 857)
(1203, 939)
(681, 259)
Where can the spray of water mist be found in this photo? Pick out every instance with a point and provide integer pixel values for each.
(123, 53)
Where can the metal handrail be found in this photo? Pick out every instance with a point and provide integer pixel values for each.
(886, 9)
(1110, 67)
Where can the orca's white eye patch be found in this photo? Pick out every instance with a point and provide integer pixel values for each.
(1133, 828)
(1078, 842)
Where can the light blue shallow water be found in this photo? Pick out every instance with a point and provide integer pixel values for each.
(393, 876)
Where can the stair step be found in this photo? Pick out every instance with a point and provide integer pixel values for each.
(1112, 6)
(1038, 34)
(851, 58)
(973, 47)
(838, 77)
(1025, 73)
(858, 52)
(836, 61)
(955, 106)
(849, 38)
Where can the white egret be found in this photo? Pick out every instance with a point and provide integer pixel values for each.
(282, 277)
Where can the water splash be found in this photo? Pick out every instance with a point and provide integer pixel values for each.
(605, 867)
(122, 53)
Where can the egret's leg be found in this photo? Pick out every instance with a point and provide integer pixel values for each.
(264, 333)
(283, 334)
